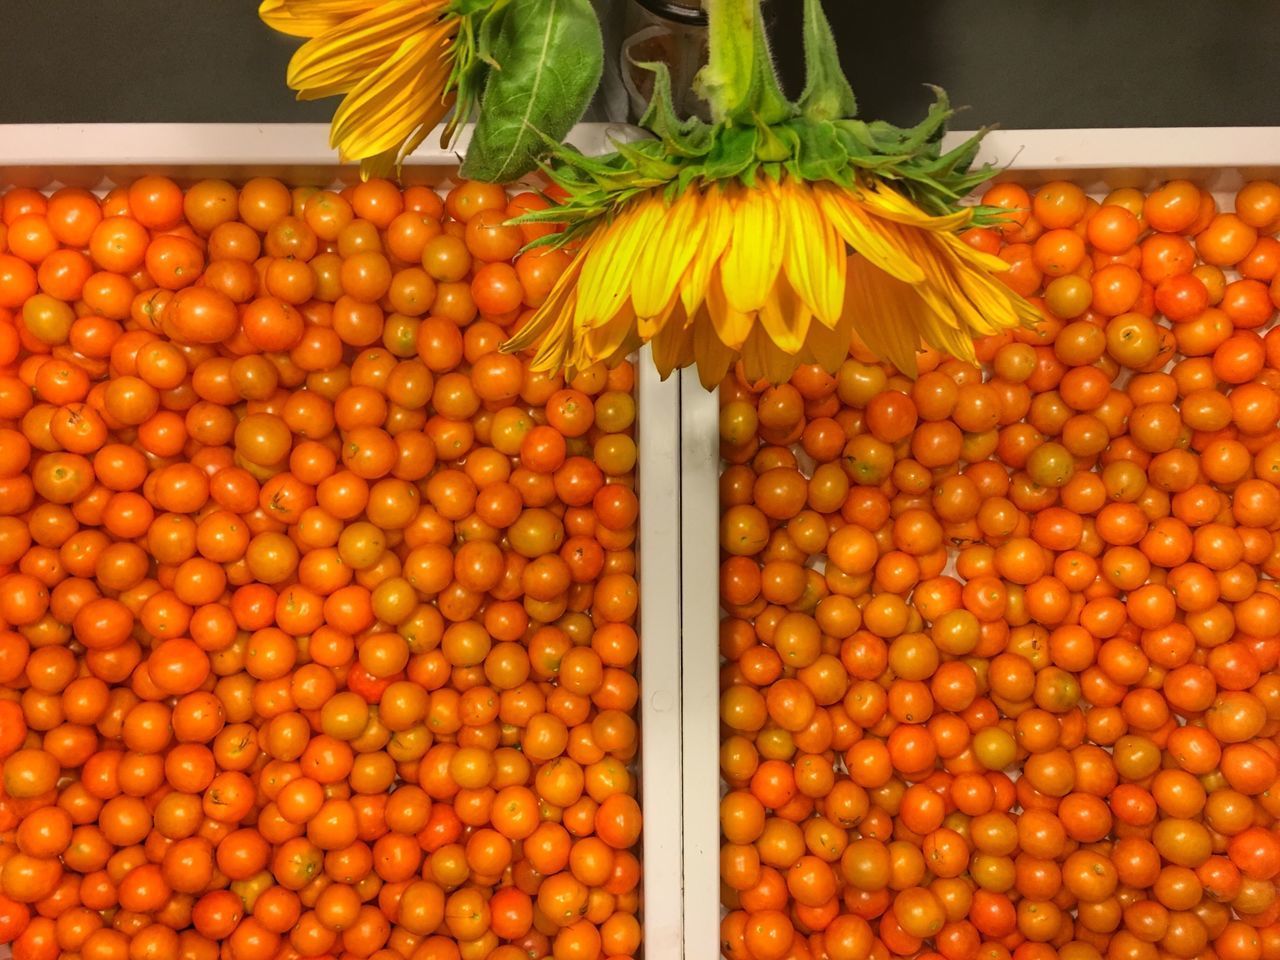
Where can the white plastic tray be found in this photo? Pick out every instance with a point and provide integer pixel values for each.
(98, 156)
(678, 436)
(1220, 159)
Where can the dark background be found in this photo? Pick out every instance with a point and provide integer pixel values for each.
(1023, 63)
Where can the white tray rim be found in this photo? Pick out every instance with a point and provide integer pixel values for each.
(57, 145)
(64, 144)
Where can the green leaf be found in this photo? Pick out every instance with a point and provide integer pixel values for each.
(642, 165)
(478, 28)
(488, 32)
(733, 152)
(549, 56)
(818, 152)
(827, 94)
(466, 8)
(687, 176)
(654, 167)
(958, 161)
(932, 127)
(771, 148)
(855, 137)
(689, 137)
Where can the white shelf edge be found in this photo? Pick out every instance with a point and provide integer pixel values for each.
(63, 144)
(203, 144)
(700, 656)
(662, 800)
(1101, 148)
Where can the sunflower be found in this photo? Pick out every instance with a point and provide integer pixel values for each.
(765, 274)
(393, 60)
(772, 234)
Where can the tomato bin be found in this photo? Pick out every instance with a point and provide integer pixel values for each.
(678, 469)
(102, 157)
(1100, 161)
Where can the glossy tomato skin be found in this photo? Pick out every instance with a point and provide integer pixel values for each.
(318, 608)
(998, 617)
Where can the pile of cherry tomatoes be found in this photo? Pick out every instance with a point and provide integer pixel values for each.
(316, 609)
(1000, 642)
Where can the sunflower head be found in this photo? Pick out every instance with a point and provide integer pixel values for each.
(772, 234)
(526, 69)
(777, 274)
(392, 61)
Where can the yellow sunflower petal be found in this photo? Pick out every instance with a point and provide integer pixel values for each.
(672, 342)
(717, 219)
(665, 258)
(688, 357)
(381, 165)
(994, 301)
(338, 59)
(989, 262)
(731, 325)
(578, 357)
(955, 342)
(310, 18)
(828, 346)
(384, 109)
(553, 351)
(975, 271)
(609, 272)
(785, 318)
(556, 309)
(648, 327)
(946, 289)
(602, 341)
(754, 256)
(884, 201)
(887, 313)
(629, 345)
(950, 319)
(939, 288)
(993, 312)
(813, 257)
(940, 319)
(763, 359)
(388, 164)
(961, 297)
(877, 240)
(711, 355)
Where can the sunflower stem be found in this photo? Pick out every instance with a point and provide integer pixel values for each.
(739, 81)
(725, 81)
